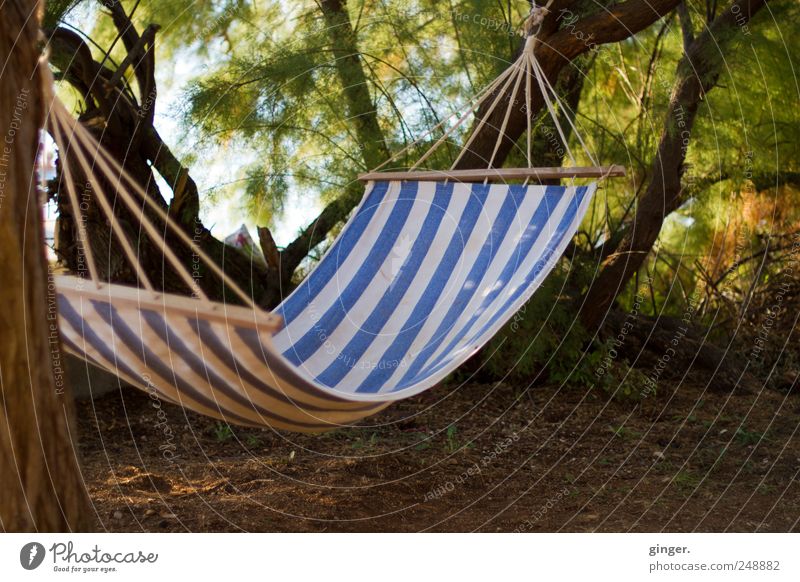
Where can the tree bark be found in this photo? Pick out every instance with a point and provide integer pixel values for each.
(41, 488)
(697, 73)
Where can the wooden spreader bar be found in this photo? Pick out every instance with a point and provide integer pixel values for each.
(499, 174)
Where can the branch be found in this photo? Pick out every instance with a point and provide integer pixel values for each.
(137, 52)
(360, 107)
(696, 74)
(185, 203)
(333, 214)
(144, 68)
(613, 24)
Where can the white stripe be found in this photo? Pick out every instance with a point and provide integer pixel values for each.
(338, 338)
(457, 278)
(464, 347)
(523, 272)
(329, 295)
(447, 229)
(508, 246)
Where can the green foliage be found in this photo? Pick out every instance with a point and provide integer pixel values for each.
(252, 441)
(278, 94)
(544, 332)
(56, 10)
(748, 437)
(223, 432)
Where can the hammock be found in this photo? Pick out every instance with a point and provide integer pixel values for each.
(428, 268)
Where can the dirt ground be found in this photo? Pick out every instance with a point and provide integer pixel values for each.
(459, 458)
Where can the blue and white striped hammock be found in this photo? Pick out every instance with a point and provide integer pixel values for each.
(421, 277)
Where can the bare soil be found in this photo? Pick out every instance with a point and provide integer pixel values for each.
(459, 458)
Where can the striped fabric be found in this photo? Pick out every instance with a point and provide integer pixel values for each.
(422, 276)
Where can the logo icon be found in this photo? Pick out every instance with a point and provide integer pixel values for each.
(31, 555)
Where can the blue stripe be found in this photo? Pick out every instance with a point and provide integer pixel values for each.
(289, 374)
(398, 350)
(68, 314)
(151, 360)
(216, 382)
(531, 279)
(472, 283)
(314, 338)
(357, 346)
(77, 323)
(206, 335)
(548, 205)
(308, 290)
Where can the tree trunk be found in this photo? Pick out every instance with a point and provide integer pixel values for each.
(697, 74)
(41, 488)
(360, 108)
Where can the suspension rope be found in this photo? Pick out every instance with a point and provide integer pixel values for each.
(568, 110)
(528, 113)
(100, 196)
(492, 107)
(455, 126)
(526, 66)
(520, 72)
(83, 237)
(478, 100)
(125, 184)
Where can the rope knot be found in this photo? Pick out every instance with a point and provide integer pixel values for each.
(535, 18)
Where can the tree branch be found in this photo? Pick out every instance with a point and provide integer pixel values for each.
(697, 73)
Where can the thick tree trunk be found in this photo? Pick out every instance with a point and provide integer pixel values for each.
(697, 74)
(41, 488)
